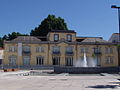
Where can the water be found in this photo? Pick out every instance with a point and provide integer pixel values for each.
(85, 62)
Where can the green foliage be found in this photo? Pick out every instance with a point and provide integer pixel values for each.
(48, 24)
(118, 46)
(13, 35)
(1, 42)
(93, 55)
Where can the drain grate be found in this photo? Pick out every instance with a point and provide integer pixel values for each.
(52, 79)
(63, 79)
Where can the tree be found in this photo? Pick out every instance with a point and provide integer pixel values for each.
(13, 35)
(10, 36)
(48, 24)
(1, 42)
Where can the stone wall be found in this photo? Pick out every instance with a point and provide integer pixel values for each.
(86, 70)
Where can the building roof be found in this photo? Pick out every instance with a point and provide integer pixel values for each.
(63, 31)
(26, 38)
(116, 33)
(82, 37)
(114, 38)
(94, 40)
(42, 38)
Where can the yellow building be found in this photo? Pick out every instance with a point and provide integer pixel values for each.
(60, 47)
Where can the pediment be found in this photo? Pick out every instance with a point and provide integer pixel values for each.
(63, 43)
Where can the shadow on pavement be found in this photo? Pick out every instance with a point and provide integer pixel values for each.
(103, 86)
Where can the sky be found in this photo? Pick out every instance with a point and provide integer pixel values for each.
(94, 18)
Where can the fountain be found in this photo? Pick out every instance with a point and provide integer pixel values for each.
(85, 66)
(82, 63)
(85, 62)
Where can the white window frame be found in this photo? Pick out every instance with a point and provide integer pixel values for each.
(56, 49)
(84, 50)
(40, 49)
(26, 48)
(56, 37)
(109, 59)
(12, 48)
(39, 60)
(12, 60)
(109, 50)
(69, 37)
(69, 49)
(26, 60)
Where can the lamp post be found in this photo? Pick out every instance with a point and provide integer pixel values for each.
(115, 7)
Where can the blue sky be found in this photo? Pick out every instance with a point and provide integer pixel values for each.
(86, 17)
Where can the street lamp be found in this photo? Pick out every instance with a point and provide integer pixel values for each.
(114, 6)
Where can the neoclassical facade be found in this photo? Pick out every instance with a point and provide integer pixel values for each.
(59, 48)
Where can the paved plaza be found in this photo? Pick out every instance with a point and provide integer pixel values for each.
(12, 81)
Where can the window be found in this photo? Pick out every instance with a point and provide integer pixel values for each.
(56, 37)
(69, 61)
(69, 37)
(26, 48)
(26, 60)
(114, 41)
(12, 49)
(0, 61)
(109, 50)
(56, 49)
(84, 50)
(40, 60)
(97, 50)
(56, 60)
(109, 59)
(69, 50)
(12, 60)
(40, 49)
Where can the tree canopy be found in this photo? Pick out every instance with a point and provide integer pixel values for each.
(48, 24)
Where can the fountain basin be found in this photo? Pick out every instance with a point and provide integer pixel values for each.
(86, 70)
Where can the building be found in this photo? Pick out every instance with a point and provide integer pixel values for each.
(1, 55)
(59, 48)
(114, 38)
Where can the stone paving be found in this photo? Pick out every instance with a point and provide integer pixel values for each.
(11, 81)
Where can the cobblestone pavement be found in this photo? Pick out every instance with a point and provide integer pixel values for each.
(10, 81)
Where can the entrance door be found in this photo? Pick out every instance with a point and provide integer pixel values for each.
(12, 60)
(0, 61)
(26, 60)
(97, 60)
(56, 60)
(40, 60)
(69, 61)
